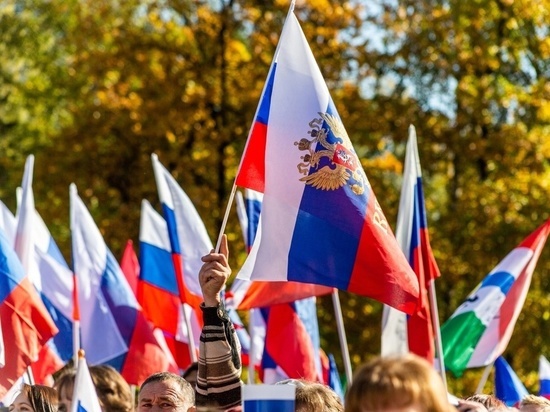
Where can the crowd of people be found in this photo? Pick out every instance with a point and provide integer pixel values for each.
(386, 384)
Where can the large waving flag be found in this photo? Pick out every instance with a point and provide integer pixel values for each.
(84, 398)
(508, 387)
(114, 329)
(544, 377)
(320, 221)
(26, 324)
(480, 329)
(158, 289)
(412, 236)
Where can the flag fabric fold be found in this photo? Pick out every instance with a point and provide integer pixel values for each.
(320, 221)
(544, 377)
(415, 333)
(480, 329)
(113, 326)
(508, 387)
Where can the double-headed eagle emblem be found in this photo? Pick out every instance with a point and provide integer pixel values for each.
(333, 162)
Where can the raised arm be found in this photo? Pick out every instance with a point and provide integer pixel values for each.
(218, 379)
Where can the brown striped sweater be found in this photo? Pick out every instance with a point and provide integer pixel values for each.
(219, 375)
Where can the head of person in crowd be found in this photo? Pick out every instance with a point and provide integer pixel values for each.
(491, 402)
(167, 392)
(405, 383)
(533, 403)
(314, 397)
(35, 398)
(190, 374)
(112, 390)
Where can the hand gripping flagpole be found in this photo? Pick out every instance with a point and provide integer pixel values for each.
(234, 188)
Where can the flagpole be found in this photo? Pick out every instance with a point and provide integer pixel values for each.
(484, 378)
(76, 305)
(251, 355)
(437, 331)
(342, 335)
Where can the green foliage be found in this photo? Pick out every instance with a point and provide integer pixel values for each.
(92, 88)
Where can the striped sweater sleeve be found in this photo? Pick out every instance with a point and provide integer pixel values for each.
(218, 378)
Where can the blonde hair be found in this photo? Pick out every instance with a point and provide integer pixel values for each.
(397, 382)
(538, 401)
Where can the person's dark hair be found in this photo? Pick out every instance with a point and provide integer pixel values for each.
(489, 401)
(42, 398)
(112, 390)
(186, 390)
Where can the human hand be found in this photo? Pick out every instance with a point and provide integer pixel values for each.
(214, 273)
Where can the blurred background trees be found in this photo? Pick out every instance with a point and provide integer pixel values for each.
(92, 88)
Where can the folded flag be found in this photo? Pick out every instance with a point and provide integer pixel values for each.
(84, 397)
(508, 387)
(320, 221)
(480, 329)
(544, 377)
(268, 398)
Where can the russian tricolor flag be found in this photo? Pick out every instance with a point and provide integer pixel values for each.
(114, 329)
(158, 289)
(49, 273)
(320, 221)
(189, 240)
(414, 333)
(544, 377)
(268, 398)
(25, 322)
